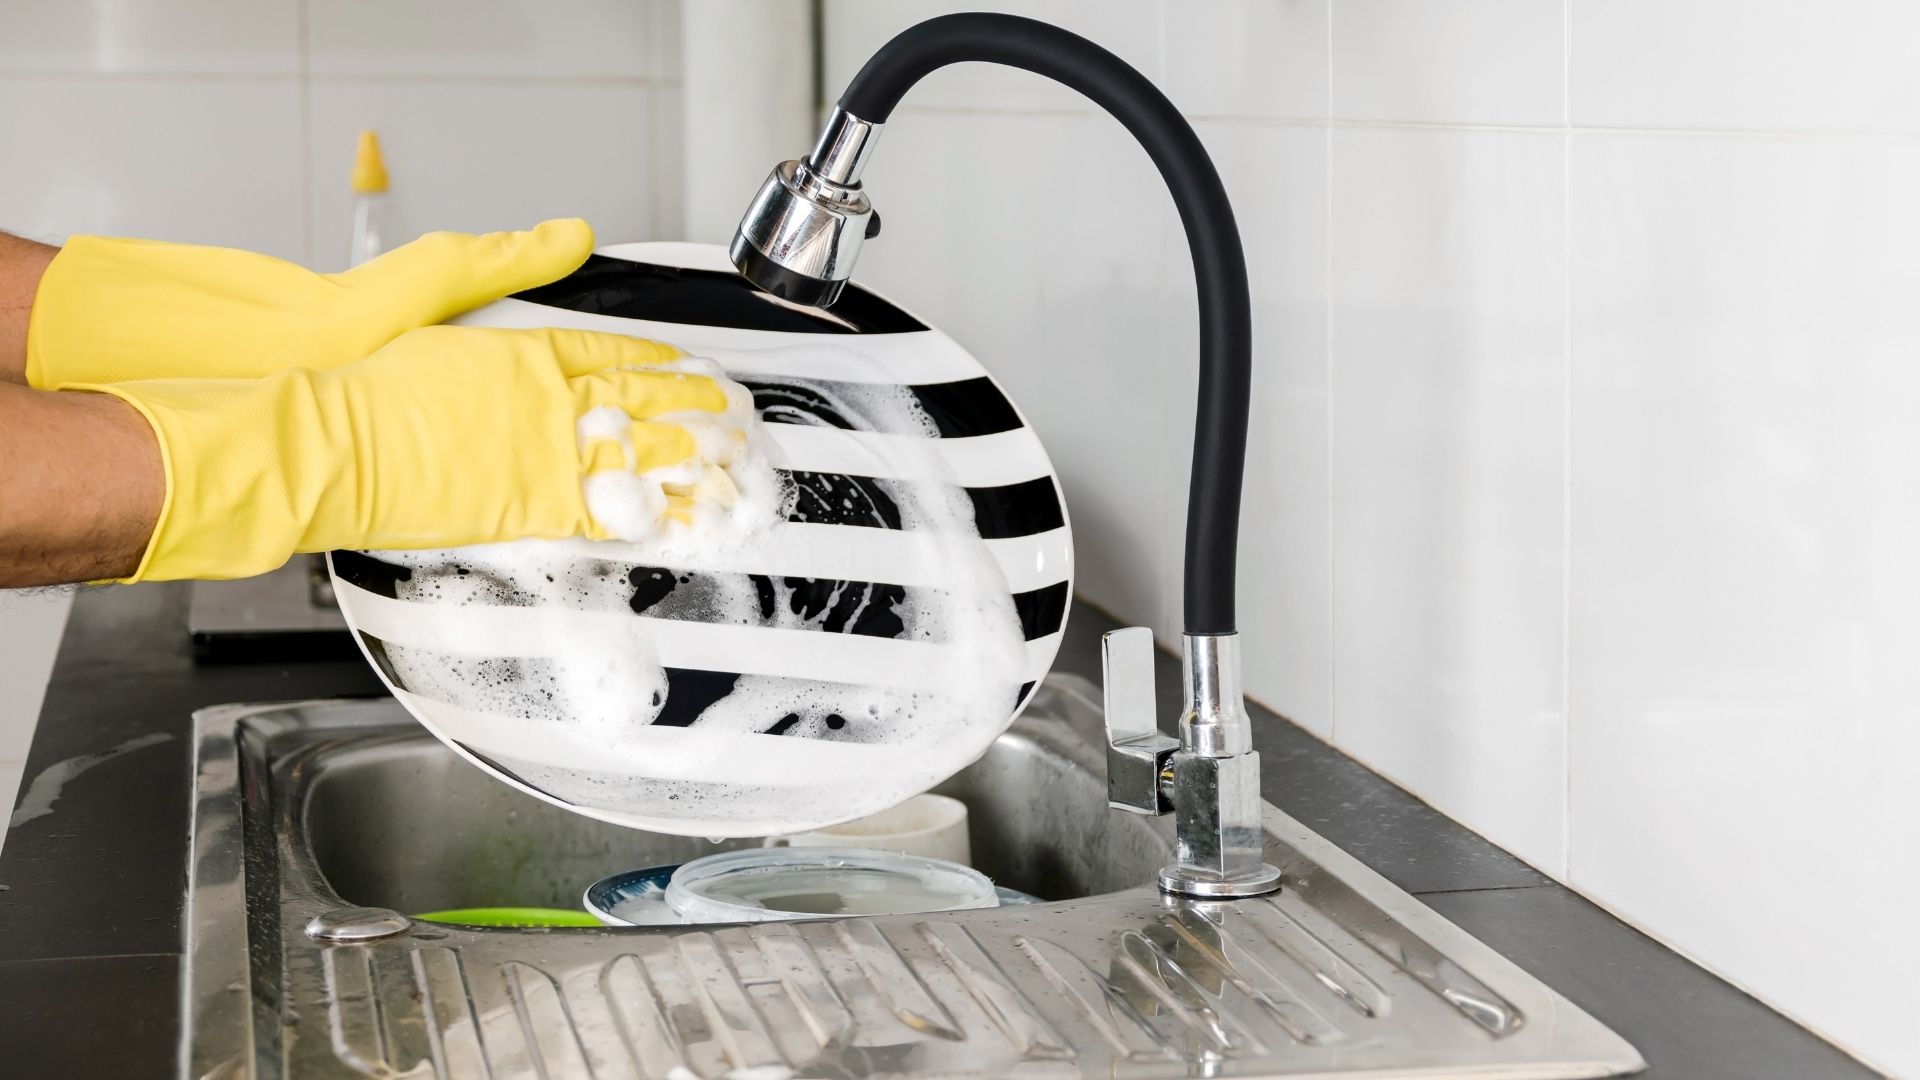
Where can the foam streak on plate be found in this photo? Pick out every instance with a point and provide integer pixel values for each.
(983, 461)
(800, 549)
(551, 633)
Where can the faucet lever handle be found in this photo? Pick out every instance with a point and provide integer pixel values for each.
(1139, 758)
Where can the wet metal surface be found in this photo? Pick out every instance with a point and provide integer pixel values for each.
(304, 809)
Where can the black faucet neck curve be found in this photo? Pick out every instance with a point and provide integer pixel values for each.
(1220, 271)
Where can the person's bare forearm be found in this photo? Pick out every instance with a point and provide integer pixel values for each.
(21, 264)
(81, 486)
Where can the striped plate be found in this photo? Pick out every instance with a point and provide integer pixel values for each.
(480, 655)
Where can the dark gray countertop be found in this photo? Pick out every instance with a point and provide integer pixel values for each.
(90, 912)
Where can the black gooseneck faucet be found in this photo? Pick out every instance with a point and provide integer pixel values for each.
(799, 240)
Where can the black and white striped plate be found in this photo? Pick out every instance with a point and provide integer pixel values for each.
(843, 559)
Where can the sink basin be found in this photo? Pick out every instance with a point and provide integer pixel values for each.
(319, 826)
(396, 820)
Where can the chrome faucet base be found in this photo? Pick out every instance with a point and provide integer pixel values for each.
(1206, 885)
(1209, 778)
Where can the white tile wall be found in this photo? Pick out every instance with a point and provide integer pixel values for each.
(116, 156)
(854, 29)
(577, 40)
(482, 157)
(1101, 410)
(231, 122)
(181, 37)
(1264, 58)
(745, 102)
(1746, 602)
(664, 46)
(1460, 62)
(1447, 431)
(1840, 65)
(1591, 520)
(667, 205)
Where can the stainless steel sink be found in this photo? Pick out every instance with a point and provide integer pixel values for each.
(392, 819)
(313, 810)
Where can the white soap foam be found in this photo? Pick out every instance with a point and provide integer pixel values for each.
(736, 493)
(612, 684)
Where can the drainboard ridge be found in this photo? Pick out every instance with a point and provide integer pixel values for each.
(933, 996)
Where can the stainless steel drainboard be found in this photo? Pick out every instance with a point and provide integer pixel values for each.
(301, 809)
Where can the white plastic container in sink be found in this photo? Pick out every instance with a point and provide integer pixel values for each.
(774, 884)
(934, 826)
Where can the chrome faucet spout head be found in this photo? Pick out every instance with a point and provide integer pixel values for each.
(802, 233)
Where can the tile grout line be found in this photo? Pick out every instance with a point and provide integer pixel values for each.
(84, 74)
(307, 208)
(1698, 959)
(1333, 713)
(658, 154)
(1588, 131)
(1549, 884)
(1566, 445)
(347, 78)
(507, 80)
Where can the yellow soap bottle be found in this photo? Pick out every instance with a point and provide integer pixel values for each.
(369, 199)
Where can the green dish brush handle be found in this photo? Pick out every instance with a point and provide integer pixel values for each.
(510, 916)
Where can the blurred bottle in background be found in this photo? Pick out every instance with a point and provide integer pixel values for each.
(369, 200)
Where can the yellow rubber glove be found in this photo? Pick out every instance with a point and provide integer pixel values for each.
(448, 436)
(112, 310)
